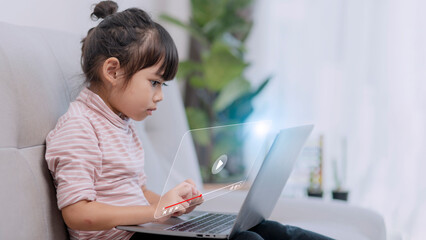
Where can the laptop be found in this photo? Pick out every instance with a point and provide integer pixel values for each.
(270, 181)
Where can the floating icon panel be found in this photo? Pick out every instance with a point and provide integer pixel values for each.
(246, 147)
(219, 164)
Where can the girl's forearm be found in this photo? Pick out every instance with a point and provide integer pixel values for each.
(95, 216)
(151, 196)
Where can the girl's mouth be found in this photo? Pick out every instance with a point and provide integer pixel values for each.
(149, 111)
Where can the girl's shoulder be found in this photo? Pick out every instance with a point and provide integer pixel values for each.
(76, 110)
(78, 114)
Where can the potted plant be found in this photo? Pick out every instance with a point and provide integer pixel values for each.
(339, 192)
(314, 189)
(216, 90)
(315, 175)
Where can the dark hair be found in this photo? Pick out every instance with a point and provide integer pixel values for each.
(132, 37)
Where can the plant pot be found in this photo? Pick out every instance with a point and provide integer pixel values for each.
(340, 195)
(314, 192)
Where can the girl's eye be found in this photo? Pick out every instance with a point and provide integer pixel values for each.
(156, 83)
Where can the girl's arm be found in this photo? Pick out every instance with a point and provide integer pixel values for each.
(94, 216)
(151, 196)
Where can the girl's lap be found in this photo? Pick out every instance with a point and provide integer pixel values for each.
(266, 230)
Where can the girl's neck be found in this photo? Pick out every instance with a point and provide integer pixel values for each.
(100, 91)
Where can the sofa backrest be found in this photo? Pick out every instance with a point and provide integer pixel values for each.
(40, 75)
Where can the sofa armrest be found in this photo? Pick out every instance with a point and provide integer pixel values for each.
(335, 219)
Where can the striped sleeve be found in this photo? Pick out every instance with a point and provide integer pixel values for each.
(73, 157)
(142, 176)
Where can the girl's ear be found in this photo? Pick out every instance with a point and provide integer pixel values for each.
(110, 71)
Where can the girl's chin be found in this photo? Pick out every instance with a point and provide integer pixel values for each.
(141, 117)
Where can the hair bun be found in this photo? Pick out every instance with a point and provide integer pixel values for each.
(104, 9)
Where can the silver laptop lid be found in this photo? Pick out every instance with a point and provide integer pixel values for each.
(271, 178)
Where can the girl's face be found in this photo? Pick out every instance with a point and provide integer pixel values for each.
(140, 97)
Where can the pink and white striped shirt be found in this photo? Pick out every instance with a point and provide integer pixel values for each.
(95, 155)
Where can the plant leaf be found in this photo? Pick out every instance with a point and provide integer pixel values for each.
(197, 118)
(262, 86)
(191, 28)
(205, 11)
(197, 82)
(239, 110)
(187, 68)
(221, 67)
(230, 93)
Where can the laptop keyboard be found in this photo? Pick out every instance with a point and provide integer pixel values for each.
(212, 223)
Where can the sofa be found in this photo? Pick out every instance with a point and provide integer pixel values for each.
(40, 76)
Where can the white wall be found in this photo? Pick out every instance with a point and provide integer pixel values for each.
(74, 16)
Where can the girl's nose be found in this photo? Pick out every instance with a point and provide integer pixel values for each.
(158, 95)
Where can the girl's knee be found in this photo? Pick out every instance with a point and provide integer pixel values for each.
(268, 225)
(247, 235)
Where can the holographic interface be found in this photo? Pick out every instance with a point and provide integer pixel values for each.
(226, 154)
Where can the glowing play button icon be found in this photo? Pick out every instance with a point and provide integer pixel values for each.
(219, 164)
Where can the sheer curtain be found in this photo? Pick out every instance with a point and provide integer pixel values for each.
(357, 69)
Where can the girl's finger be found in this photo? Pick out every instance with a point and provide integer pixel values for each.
(185, 205)
(190, 181)
(184, 189)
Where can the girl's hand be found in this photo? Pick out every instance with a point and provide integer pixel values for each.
(180, 193)
(193, 203)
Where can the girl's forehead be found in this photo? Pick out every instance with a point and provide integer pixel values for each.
(154, 71)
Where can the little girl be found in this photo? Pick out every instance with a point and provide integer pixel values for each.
(94, 154)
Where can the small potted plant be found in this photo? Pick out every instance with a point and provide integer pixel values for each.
(315, 176)
(339, 192)
(315, 186)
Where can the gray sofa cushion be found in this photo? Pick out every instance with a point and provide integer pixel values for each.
(38, 68)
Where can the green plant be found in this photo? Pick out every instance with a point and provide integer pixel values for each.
(216, 90)
(315, 175)
(339, 171)
(337, 178)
